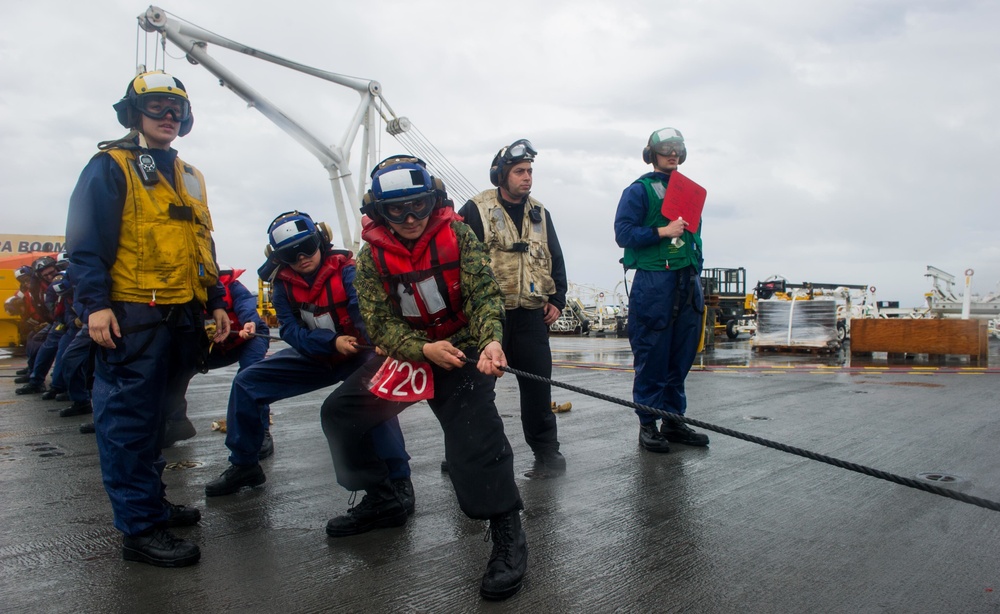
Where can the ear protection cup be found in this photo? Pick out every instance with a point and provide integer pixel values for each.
(186, 125)
(122, 112)
(496, 167)
(268, 251)
(368, 204)
(324, 232)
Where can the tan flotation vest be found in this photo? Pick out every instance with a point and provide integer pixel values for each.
(521, 261)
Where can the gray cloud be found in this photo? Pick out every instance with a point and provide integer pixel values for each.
(839, 142)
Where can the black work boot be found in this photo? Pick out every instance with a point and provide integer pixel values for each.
(50, 394)
(182, 515)
(160, 548)
(24, 371)
(78, 408)
(235, 478)
(404, 491)
(652, 440)
(87, 427)
(22, 379)
(678, 432)
(62, 397)
(548, 464)
(178, 430)
(30, 388)
(379, 509)
(267, 447)
(509, 559)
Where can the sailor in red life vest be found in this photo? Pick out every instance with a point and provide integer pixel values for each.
(429, 299)
(247, 344)
(317, 308)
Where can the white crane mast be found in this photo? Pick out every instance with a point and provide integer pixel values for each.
(347, 191)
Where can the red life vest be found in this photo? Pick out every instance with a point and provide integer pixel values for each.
(423, 283)
(324, 303)
(233, 341)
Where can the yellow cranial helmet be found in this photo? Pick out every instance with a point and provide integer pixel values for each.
(155, 94)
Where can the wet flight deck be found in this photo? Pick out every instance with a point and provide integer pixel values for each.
(735, 527)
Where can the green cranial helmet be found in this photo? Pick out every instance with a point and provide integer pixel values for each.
(665, 141)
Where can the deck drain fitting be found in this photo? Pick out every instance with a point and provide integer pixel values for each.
(756, 418)
(184, 464)
(942, 479)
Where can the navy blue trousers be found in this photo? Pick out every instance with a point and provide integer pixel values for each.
(664, 326)
(130, 397)
(288, 374)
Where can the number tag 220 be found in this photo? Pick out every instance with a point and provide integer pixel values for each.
(403, 381)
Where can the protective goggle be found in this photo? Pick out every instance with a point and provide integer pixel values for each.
(157, 106)
(306, 246)
(397, 212)
(668, 142)
(520, 150)
(668, 148)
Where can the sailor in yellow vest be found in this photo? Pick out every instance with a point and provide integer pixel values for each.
(528, 263)
(143, 260)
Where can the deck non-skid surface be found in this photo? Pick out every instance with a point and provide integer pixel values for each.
(732, 528)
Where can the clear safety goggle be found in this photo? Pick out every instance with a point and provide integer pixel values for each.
(304, 247)
(157, 106)
(669, 141)
(519, 150)
(397, 212)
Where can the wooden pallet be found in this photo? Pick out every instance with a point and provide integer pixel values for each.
(798, 349)
(935, 337)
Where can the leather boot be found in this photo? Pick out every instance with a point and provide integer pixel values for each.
(235, 478)
(29, 388)
(548, 464)
(78, 408)
(379, 509)
(678, 432)
(178, 430)
(182, 515)
(266, 447)
(161, 548)
(652, 439)
(404, 491)
(509, 560)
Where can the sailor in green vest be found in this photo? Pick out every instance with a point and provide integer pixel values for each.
(666, 300)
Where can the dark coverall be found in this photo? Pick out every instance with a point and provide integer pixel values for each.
(158, 349)
(249, 352)
(291, 372)
(480, 459)
(664, 315)
(526, 338)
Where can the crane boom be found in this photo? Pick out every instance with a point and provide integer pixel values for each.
(347, 193)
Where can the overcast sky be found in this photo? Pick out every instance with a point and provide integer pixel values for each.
(840, 142)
